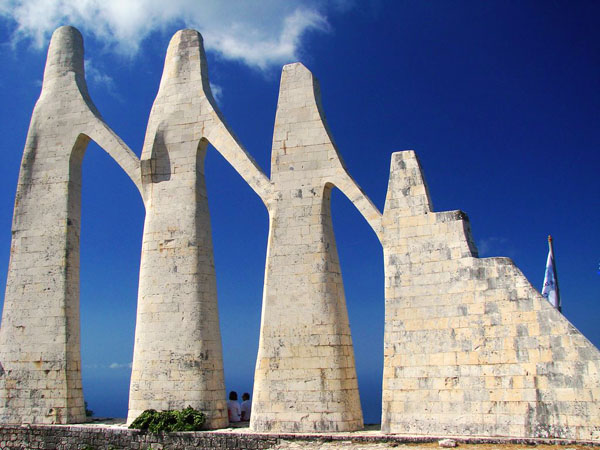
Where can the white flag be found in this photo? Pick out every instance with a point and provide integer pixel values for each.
(550, 289)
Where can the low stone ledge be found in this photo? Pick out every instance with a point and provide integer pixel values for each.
(110, 436)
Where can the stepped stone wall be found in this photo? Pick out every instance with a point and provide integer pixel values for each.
(471, 348)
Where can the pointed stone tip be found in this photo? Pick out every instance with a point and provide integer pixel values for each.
(65, 53)
(185, 34)
(296, 73)
(403, 159)
(67, 31)
(296, 67)
(404, 154)
(185, 54)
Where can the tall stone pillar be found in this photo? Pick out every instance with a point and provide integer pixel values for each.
(40, 362)
(305, 376)
(178, 352)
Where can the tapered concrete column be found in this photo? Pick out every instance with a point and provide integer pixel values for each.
(40, 373)
(305, 376)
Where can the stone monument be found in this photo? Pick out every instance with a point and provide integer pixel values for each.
(471, 348)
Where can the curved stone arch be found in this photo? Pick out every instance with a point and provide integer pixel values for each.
(342, 178)
(64, 78)
(176, 128)
(112, 144)
(183, 114)
(225, 142)
(346, 184)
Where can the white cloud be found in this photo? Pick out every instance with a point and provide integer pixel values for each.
(241, 41)
(98, 78)
(259, 34)
(217, 92)
(113, 366)
(119, 366)
(496, 246)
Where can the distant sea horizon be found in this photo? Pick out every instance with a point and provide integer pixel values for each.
(106, 392)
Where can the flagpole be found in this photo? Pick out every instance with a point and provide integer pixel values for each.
(559, 307)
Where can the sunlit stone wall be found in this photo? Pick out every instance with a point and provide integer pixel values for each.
(471, 348)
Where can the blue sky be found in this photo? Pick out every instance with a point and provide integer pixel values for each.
(500, 100)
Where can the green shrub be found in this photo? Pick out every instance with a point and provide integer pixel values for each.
(88, 412)
(187, 419)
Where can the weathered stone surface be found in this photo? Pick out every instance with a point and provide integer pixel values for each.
(178, 353)
(471, 348)
(40, 379)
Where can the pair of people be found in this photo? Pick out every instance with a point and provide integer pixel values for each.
(237, 412)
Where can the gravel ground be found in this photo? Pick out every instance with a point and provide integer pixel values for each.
(349, 445)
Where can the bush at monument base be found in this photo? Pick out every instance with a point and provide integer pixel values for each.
(187, 419)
